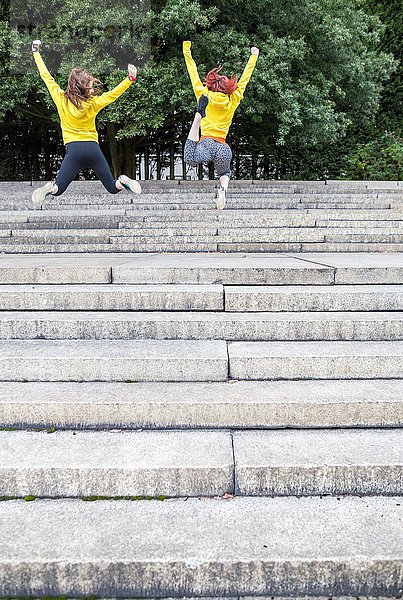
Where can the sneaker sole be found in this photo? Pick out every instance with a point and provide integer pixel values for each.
(135, 187)
(221, 202)
(38, 197)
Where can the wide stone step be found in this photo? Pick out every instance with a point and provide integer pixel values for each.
(303, 463)
(186, 463)
(250, 217)
(214, 219)
(238, 404)
(116, 297)
(309, 269)
(202, 233)
(368, 224)
(223, 269)
(150, 247)
(56, 270)
(145, 360)
(216, 548)
(350, 247)
(193, 248)
(362, 268)
(275, 234)
(140, 463)
(365, 237)
(315, 360)
(85, 325)
(308, 298)
(256, 202)
(230, 269)
(168, 297)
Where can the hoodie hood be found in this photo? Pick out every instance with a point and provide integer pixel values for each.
(218, 99)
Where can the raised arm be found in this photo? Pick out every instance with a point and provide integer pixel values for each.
(55, 91)
(108, 97)
(246, 75)
(197, 85)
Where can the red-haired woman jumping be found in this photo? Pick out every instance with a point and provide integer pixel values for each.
(78, 107)
(218, 100)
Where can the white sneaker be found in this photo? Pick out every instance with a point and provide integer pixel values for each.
(39, 195)
(221, 198)
(130, 184)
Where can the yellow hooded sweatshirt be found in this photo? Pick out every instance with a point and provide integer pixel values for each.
(221, 107)
(78, 125)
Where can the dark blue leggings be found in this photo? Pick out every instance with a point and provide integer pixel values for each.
(80, 155)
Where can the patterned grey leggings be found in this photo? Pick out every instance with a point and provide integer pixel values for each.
(208, 150)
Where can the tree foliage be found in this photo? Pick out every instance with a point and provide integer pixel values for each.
(314, 96)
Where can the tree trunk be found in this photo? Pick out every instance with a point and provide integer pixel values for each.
(129, 162)
(146, 162)
(184, 137)
(113, 148)
(266, 168)
(237, 164)
(172, 161)
(158, 149)
(254, 167)
(35, 168)
(139, 164)
(46, 145)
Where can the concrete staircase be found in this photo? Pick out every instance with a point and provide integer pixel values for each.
(180, 216)
(201, 424)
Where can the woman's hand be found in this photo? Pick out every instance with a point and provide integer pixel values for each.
(254, 51)
(132, 72)
(36, 44)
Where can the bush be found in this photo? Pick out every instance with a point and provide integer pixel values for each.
(379, 159)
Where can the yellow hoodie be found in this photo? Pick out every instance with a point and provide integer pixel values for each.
(78, 125)
(221, 107)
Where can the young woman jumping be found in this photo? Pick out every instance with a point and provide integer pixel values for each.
(78, 107)
(218, 98)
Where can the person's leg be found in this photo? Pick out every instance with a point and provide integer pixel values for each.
(68, 170)
(222, 164)
(224, 181)
(194, 133)
(192, 141)
(96, 161)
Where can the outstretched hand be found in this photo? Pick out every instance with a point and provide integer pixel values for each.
(254, 51)
(132, 72)
(36, 45)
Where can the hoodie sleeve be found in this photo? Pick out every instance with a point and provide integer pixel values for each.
(198, 87)
(244, 80)
(108, 97)
(54, 89)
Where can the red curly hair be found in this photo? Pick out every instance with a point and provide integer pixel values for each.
(220, 83)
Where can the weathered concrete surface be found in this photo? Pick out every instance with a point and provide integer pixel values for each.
(302, 463)
(261, 326)
(108, 297)
(361, 268)
(239, 404)
(100, 249)
(246, 546)
(226, 269)
(145, 360)
(313, 298)
(137, 463)
(315, 360)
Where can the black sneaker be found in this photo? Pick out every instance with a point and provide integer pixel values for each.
(202, 105)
